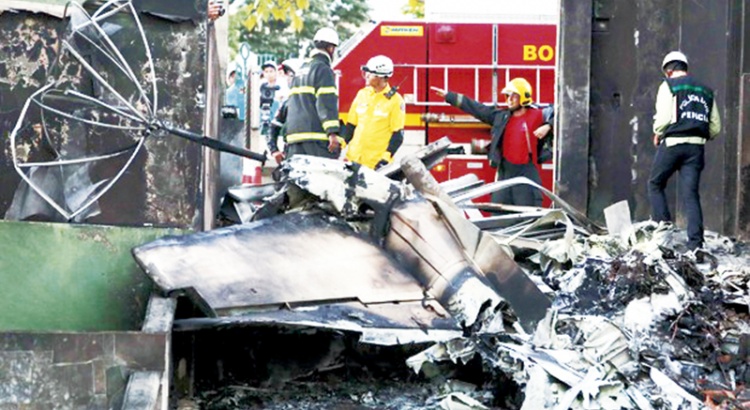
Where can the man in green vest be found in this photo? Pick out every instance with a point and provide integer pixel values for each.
(686, 117)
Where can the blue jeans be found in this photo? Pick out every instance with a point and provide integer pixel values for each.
(689, 160)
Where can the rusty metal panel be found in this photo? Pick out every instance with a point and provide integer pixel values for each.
(571, 180)
(27, 47)
(291, 259)
(732, 114)
(163, 186)
(711, 63)
(743, 209)
(628, 42)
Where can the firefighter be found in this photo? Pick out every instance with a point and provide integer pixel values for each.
(376, 118)
(312, 123)
(289, 68)
(686, 116)
(515, 131)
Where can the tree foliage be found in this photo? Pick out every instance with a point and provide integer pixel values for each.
(414, 8)
(259, 11)
(285, 27)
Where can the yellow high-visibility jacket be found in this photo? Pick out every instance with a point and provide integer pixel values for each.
(376, 118)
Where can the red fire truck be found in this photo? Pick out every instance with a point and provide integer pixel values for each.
(475, 59)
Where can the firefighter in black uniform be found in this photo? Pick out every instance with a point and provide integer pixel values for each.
(312, 123)
(686, 117)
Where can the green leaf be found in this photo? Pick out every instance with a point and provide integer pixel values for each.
(278, 13)
(250, 22)
(282, 27)
(297, 23)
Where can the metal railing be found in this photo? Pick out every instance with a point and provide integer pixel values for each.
(494, 70)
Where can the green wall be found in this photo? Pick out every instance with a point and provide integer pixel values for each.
(61, 277)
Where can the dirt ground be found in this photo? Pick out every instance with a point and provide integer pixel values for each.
(363, 377)
(322, 394)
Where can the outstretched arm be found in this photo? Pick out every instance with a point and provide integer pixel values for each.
(474, 108)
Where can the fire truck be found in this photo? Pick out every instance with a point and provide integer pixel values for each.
(473, 54)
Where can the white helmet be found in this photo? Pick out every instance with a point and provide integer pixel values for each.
(381, 66)
(327, 35)
(674, 56)
(292, 64)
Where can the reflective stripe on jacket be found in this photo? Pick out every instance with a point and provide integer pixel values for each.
(313, 101)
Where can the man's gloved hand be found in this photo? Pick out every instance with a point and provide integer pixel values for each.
(278, 156)
(385, 159)
(333, 143)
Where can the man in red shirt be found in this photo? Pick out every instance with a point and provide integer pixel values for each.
(515, 132)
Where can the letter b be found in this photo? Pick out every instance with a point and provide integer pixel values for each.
(529, 53)
(533, 53)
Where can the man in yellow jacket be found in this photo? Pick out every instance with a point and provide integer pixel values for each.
(375, 123)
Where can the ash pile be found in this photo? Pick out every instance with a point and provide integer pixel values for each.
(573, 315)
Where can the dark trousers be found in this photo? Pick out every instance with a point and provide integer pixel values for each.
(519, 194)
(313, 147)
(688, 160)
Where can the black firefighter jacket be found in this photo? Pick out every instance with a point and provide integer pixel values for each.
(495, 117)
(313, 102)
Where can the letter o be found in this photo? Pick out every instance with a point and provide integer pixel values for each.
(546, 53)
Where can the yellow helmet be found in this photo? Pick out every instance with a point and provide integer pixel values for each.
(521, 87)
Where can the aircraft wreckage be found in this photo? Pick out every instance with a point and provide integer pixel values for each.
(577, 316)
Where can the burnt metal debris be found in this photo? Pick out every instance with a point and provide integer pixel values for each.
(575, 315)
(94, 96)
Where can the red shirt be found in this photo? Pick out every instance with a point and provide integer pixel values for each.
(516, 145)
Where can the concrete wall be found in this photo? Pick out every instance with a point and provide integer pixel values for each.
(72, 277)
(78, 319)
(47, 370)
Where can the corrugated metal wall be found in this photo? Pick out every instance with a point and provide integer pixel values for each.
(611, 52)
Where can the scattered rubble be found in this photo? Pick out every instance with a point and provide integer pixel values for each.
(566, 314)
